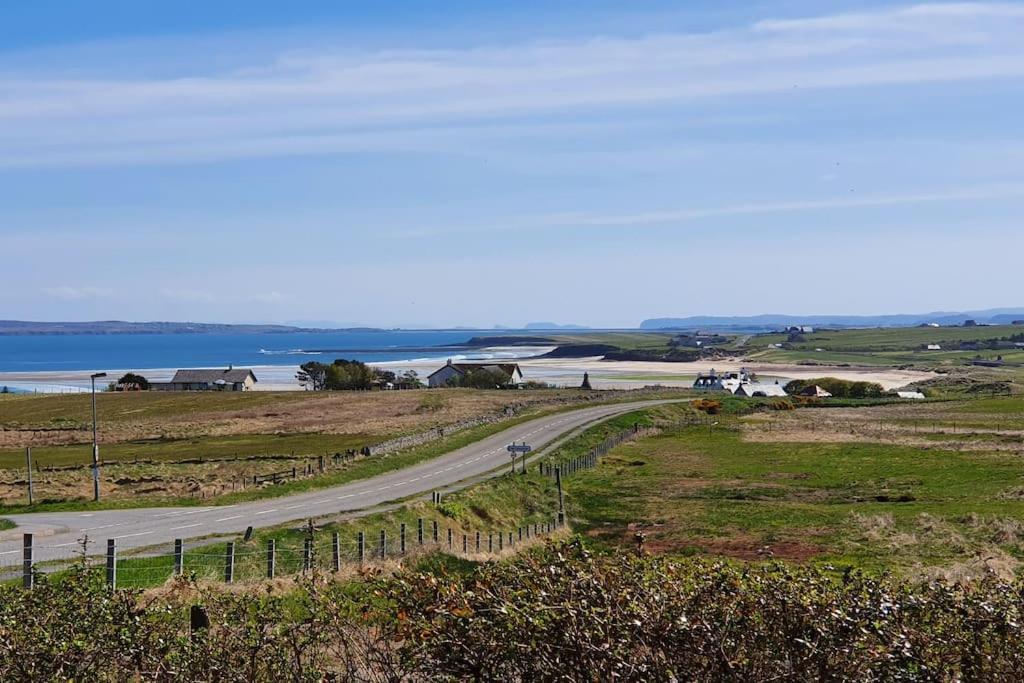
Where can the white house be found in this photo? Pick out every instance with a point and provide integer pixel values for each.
(910, 394)
(933, 347)
(751, 389)
(450, 372)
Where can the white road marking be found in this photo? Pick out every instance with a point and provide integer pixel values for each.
(292, 507)
(224, 519)
(187, 526)
(265, 512)
(141, 533)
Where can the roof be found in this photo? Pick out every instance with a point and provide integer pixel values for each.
(910, 394)
(815, 390)
(755, 388)
(507, 369)
(209, 376)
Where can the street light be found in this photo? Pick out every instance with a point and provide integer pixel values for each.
(95, 444)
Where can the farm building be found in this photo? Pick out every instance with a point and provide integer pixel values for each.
(451, 372)
(917, 395)
(815, 391)
(751, 389)
(933, 347)
(227, 379)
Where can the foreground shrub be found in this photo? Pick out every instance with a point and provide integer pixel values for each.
(556, 613)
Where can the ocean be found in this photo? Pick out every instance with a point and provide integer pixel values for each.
(54, 354)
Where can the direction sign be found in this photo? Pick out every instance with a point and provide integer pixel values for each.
(518, 448)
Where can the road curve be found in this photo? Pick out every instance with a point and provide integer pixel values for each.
(57, 533)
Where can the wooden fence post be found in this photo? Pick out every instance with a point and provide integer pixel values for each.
(179, 557)
(383, 550)
(520, 534)
(229, 562)
(111, 564)
(561, 499)
(478, 541)
(361, 542)
(449, 538)
(401, 538)
(28, 463)
(435, 531)
(336, 550)
(490, 542)
(307, 554)
(28, 578)
(419, 530)
(271, 558)
(501, 541)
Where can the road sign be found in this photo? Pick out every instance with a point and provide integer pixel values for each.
(518, 448)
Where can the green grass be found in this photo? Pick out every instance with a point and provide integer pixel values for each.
(888, 339)
(720, 494)
(6, 524)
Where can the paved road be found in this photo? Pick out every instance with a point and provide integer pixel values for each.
(57, 533)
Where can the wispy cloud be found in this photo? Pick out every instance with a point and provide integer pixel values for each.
(304, 102)
(588, 219)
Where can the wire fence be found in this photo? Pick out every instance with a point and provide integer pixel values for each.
(250, 560)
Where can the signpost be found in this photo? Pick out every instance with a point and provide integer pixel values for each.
(515, 448)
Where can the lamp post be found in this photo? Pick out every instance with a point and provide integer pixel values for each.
(95, 444)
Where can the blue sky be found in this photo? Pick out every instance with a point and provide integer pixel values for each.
(472, 163)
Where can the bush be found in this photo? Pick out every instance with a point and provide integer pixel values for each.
(555, 613)
(707, 405)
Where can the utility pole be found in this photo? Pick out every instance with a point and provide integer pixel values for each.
(95, 443)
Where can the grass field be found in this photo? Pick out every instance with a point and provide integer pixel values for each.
(874, 498)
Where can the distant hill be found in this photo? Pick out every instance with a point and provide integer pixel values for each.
(769, 321)
(553, 326)
(11, 327)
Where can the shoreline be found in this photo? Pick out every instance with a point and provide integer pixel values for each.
(565, 372)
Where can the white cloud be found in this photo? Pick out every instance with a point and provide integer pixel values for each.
(69, 293)
(304, 102)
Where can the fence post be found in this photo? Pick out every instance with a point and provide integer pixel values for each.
(28, 578)
(179, 557)
(28, 463)
(465, 544)
(362, 547)
(401, 538)
(510, 543)
(271, 558)
(449, 538)
(229, 562)
(501, 541)
(419, 531)
(383, 550)
(520, 534)
(490, 542)
(478, 541)
(320, 460)
(111, 564)
(561, 499)
(435, 531)
(307, 554)
(336, 550)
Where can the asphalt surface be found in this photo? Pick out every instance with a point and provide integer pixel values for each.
(57, 534)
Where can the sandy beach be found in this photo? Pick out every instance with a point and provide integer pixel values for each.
(558, 371)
